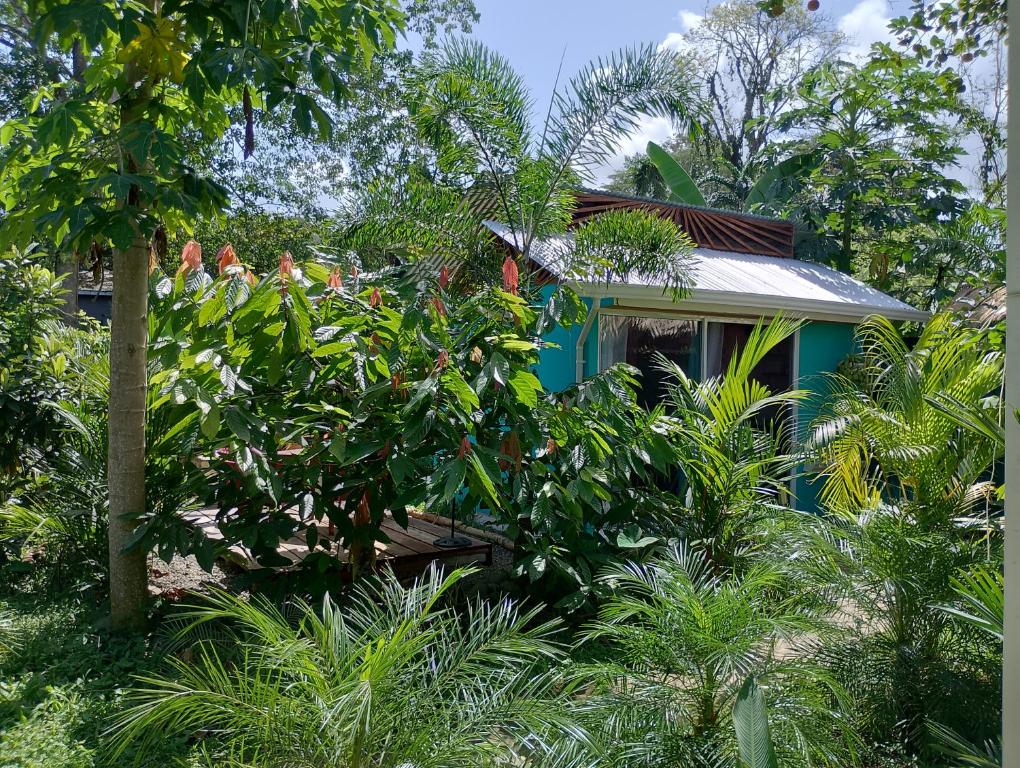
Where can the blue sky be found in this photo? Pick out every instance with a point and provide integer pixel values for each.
(535, 34)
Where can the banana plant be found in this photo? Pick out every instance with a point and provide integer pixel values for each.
(771, 186)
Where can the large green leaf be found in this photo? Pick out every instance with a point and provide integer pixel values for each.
(682, 188)
(766, 187)
(751, 722)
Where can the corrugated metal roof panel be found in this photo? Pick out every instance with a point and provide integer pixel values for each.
(745, 281)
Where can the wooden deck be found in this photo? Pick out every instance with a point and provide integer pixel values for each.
(407, 551)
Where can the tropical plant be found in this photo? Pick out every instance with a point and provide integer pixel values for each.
(393, 676)
(771, 188)
(61, 517)
(907, 484)
(882, 135)
(8, 637)
(981, 595)
(29, 297)
(983, 598)
(682, 643)
(105, 157)
(582, 485)
(732, 443)
(474, 110)
(884, 433)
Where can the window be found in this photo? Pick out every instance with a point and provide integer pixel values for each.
(775, 371)
(638, 340)
(702, 348)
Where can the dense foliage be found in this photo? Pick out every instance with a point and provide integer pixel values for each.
(310, 378)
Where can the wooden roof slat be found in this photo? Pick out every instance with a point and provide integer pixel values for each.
(719, 230)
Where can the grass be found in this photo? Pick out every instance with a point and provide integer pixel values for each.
(63, 681)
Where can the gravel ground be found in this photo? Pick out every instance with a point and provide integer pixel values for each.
(173, 581)
(183, 574)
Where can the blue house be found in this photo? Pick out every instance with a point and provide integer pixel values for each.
(744, 270)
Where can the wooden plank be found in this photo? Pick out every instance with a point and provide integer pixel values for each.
(408, 551)
(400, 536)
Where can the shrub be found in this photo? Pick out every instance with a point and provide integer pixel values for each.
(29, 296)
(909, 448)
(681, 644)
(391, 678)
(350, 397)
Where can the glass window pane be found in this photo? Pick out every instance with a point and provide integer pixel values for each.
(638, 340)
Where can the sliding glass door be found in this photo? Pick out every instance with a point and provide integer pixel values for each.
(702, 348)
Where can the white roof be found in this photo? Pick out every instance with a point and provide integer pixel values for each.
(746, 283)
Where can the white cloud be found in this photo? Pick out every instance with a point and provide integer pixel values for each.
(674, 40)
(689, 20)
(866, 23)
(657, 129)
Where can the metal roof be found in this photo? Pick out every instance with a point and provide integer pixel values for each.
(741, 283)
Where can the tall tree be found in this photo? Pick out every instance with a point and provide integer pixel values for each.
(885, 133)
(748, 66)
(107, 160)
(309, 175)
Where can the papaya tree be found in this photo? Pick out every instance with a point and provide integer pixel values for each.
(105, 158)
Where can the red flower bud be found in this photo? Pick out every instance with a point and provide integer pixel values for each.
(354, 273)
(250, 277)
(191, 257)
(443, 359)
(363, 515)
(286, 265)
(444, 277)
(510, 275)
(335, 281)
(440, 307)
(376, 298)
(384, 452)
(550, 447)
(465, 448)
(225, 257)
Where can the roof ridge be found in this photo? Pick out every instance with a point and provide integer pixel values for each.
(685, 206)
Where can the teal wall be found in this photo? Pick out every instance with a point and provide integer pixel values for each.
(822, 347)
(557, 367)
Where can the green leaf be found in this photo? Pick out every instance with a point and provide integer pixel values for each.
(211, 421)
(682, 188)
(750, 721)
(526, 386)
(455, 384)
(765, 188)
(631, 538)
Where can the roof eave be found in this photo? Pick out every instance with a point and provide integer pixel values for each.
(721, 302)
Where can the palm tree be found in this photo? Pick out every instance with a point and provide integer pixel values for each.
(394, 677)
(686, 641)
(908, 443)
(732, 449)
(473, 109)
(884, 433)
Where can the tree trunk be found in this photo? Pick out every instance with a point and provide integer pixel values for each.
(844, 262)
(126, 472)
